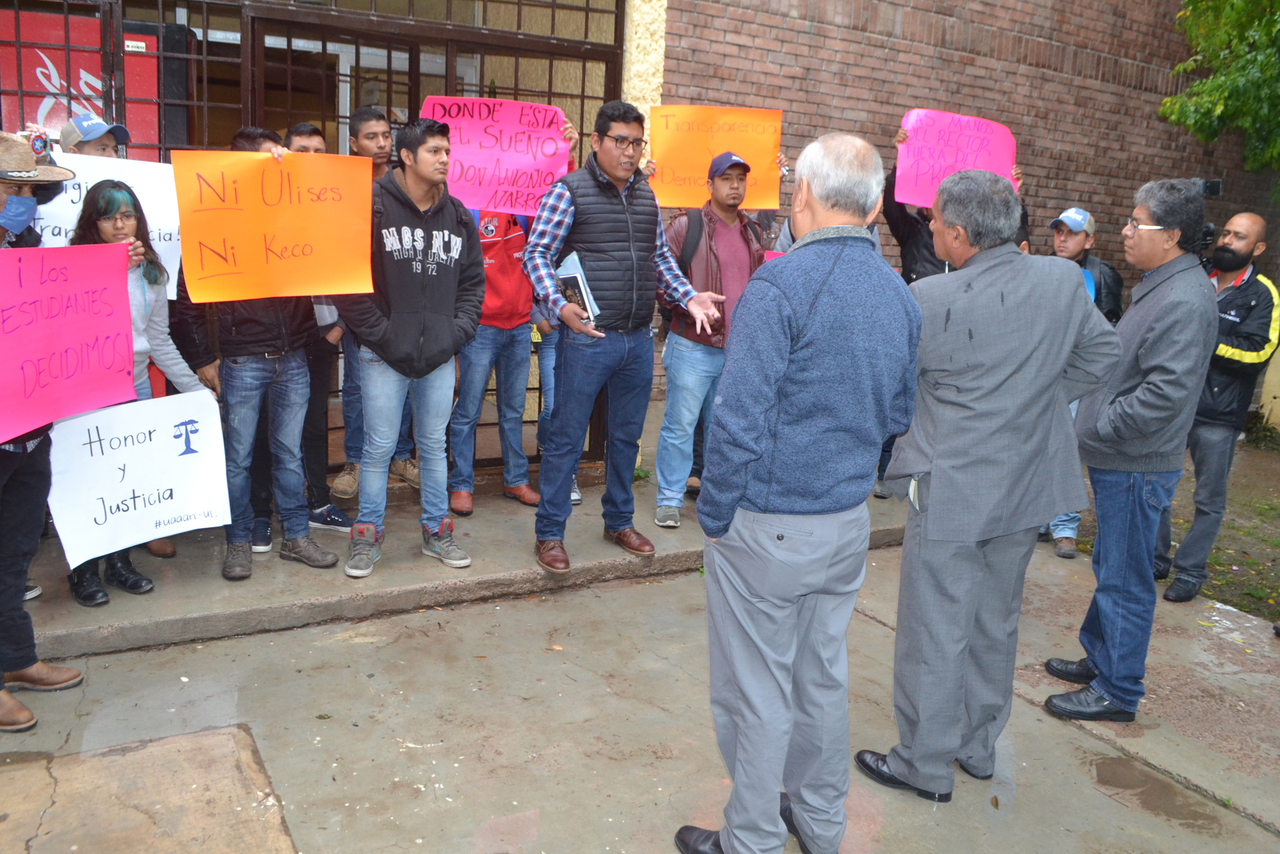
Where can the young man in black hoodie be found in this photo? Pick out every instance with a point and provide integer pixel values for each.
(428, 286)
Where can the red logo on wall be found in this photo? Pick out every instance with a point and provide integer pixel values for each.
(60, 82)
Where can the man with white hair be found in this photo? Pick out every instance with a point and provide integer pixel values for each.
(991, 455)
(822, 366)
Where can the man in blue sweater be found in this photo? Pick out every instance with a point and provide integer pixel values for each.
(823, 366)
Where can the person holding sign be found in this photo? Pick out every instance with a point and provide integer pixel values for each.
(428, 289)
(111, 213)
(608, 215)
(24, 476)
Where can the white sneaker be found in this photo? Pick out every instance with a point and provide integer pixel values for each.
(575, 494)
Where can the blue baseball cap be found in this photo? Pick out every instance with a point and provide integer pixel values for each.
(1076, 219)
(87, 128)
(722, 163)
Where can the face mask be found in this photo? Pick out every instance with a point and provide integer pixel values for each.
(18, 213)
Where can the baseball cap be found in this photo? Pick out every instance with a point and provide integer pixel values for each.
(722, 163)
(87, 128)
(1076, 219)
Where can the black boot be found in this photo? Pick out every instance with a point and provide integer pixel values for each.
(86, 588)
(120, 573)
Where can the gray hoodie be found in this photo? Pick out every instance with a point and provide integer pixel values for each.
(1140, 420)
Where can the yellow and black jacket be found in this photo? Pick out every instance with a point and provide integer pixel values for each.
(1248, 330)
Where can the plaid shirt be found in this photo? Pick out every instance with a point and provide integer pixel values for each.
(546, 239)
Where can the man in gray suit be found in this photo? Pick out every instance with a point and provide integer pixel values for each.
(1008, 341)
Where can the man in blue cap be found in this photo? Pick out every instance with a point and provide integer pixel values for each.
(90, 135)
(1073, 237)
(718, 248)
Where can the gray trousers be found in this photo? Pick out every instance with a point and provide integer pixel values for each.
(1213, 448)
(954, 650)
(780, 595)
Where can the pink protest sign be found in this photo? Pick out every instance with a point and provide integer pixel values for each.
(66, 341)
(769, 254)
(940, 144)
(505, 154)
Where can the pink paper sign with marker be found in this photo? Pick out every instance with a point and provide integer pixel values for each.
(940, 144)
(504, 154)
(66, 341)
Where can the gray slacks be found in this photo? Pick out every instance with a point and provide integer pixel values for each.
(780, 595)
(1213, 449)
(954, 650)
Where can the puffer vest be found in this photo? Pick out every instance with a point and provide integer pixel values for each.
(615, 239)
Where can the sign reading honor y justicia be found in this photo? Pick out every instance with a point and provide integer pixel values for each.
(256, 227)
(129, 474)
(504, 154)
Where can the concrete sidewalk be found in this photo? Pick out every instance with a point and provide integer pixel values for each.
(579, 722)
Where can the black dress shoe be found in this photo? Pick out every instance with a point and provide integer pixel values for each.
(784, 810)
(86, 587)
(119, 572)
(1080, 672)
(1181, 590)
(876, 766)
(695, 840)
(1161, 570)
(966, 770)
(1085, 705)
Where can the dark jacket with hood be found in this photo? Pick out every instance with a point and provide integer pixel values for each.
(271, 326)
(428, 281)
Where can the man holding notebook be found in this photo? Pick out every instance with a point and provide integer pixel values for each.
(606, 213)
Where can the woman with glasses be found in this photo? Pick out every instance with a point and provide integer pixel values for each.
(112, 214)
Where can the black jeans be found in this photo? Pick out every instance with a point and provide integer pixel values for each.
(315, 427)
(24, 489)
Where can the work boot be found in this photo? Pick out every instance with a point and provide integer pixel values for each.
(86, 587)
(239, 562)
(1065, 547)
(406, 470)
(162, 548)
(119, 572)
(522, 493)
(460, 502)
(347, 483)
(366, 548)
(308, 551)
(552, 557)
(43, 677)
(14, 717)
(440, 545)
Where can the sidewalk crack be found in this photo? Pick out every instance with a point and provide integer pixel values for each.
(53, 800)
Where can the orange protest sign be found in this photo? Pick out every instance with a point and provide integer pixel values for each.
(685, 139)
(254, 227)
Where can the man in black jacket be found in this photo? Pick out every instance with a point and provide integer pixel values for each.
(263, 344)
(428, 287)
(1073, 236)
(1248, 330)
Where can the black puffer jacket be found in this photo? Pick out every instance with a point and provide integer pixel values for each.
(1248, 330)
(270, 326)
(428, 281)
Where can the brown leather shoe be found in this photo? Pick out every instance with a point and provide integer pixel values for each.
(522, 493)
(1065, 547)
(631, 540)
(43, 677)
(460, 503)
(162, 548)
(14, 717)
(552, 557)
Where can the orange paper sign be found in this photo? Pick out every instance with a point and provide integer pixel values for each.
(253, 227)
(686, 139)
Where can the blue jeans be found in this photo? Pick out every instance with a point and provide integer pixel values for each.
(693, 372)
(385, 390)
(547, 379)
(508, 350)
(621, 363)
(1065, 524)
(1117, 628)
(353, 408)
(284, 383)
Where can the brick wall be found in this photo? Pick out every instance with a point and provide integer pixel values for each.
(1078, 84)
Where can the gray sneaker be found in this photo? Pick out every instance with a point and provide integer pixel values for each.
(667, 516)
(441, 545)
(239, 563)
(575, 494)
(308, 551)
(366, 548)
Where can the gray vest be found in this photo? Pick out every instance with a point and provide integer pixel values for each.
(616, 243)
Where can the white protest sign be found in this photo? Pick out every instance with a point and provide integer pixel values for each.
(152, 183)
(129, 474)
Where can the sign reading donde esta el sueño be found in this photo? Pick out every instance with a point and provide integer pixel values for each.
(129, 474)
(66, 341)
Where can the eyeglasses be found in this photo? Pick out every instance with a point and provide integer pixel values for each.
(626, 143)
(1137, 226)
(126, 218)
